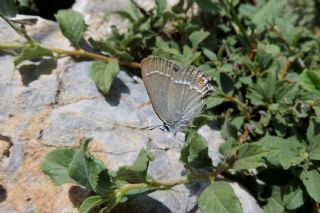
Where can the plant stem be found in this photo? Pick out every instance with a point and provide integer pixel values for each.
(235, 19)
(73, 53)
(242, 105)
(13, 46)
(86, 54)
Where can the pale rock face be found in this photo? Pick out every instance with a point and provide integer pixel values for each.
(47, 104)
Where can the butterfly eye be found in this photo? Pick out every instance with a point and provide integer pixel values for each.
(202, 81)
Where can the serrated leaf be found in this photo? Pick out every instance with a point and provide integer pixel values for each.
(137, 172)
(55, 165)
(30, 53)
(311, 180)
(219, 197)
(8, 8)
(103, 74)
(195, 151)
(91, 202)
(285, 152)
(197, 37)
(86, 170)
(290, 33)
(269, 11)
(310, 80)
(72, 25)
(250, 156)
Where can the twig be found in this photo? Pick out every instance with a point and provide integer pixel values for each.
(73, 53)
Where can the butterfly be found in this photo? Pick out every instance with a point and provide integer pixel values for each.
(176, 93)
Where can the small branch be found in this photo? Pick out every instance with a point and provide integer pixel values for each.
(73, 53)
(234, 18)
(170, 183)
(86, 54)
(242, 105)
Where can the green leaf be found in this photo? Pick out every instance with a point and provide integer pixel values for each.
(103, 74)
(195, 151)
(226, 83)
(269, 86)
(32, 53)
(161, 7)
(55, 165)
(310, 80)
(285, 152)
(286, 93)
(273, 206)
(219, 197)
(267, 13)
(197, 37)
(313, 131)
(8, 8)
(229, 130)
(210, 55)
(132, 13)
(213, 101)
(293, 195)
(91, 202)
(137, 172)
(311, 180)
(314, 150)
(72, 25)
(250, 156)
(290, 33)
(86, 170)
(208, 5)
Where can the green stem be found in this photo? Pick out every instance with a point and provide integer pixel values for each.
(165, 184)
(86, 54)
(13, 46)
(72, 53)
(235, 19)
(242, 105)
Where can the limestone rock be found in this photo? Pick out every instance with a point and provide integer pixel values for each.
(47, 104)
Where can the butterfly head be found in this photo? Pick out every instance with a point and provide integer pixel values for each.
(205, 84)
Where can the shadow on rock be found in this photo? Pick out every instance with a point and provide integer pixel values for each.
(32, 72)
(77, 195)
(3, 194)
(118, 87)
(195, 189)
(143, 204)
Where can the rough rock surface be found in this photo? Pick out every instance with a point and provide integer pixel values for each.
(47, 104)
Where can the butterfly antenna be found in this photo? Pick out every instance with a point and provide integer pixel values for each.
(152, 127)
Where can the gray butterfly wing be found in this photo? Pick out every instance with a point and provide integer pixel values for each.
(176, 94)
(186, 93)
(156, 74)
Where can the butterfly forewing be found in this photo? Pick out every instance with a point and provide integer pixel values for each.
(156, 73)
